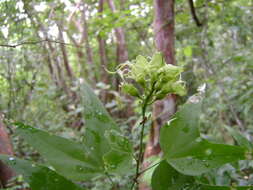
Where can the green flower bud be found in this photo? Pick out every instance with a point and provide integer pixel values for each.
(169, 72)
(156, 72)
(139, 70)
(156, 62)
(141, 81)
(160, 96)
(158, 85)
(130, 89)
(179, 88)
(167, 88)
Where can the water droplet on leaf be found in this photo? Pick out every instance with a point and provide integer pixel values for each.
(208, 151)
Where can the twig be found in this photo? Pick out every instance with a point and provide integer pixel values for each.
(238, 121)
(143, 171)
(110, 179)
(194, 15)
(34, 43)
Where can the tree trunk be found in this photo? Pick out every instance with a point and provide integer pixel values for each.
(164, 29)
(79, 54)
(64, 53)
(103, 56)
(50, 66)
(102, 46)
(6, 173)
(164, 41)
(121, 50)
(61, 79)
(85, 38)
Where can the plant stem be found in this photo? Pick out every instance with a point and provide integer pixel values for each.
(141, 145)
(150, 167)
(140, 156)
(141, 140)
(110, 179)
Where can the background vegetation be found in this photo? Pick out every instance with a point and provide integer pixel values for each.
(47, 48)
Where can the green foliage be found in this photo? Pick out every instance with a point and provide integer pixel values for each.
(76, 163)
(240, 139)
(38, 176)
(166, 177)
(218, 54)
(187, 154)
(186, 151)
(105, 153)
(101, 133)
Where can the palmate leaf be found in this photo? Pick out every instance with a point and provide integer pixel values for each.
(39, 177)
(165, 177)
(187, 152)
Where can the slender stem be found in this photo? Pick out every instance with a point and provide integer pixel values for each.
(140, 155)
(143, 171)
(110, 179)
(141, 146)
(141, 140)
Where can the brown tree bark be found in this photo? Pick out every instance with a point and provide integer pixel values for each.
(164, 29)
(85, 38)
(61, 79)
(50, 66)
(64, 52)
(122, 53)
(79, 53)
(164, 41)
(103, 56)
(121, 49)
(6, 173)
(102, 46)
(82, 27)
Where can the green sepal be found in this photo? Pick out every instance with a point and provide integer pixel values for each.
(130, 89)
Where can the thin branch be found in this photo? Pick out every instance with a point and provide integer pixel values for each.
(143, 171)
(34, 43)
(110, 179)
(237, 119)
(194, 15)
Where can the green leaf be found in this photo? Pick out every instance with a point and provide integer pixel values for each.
(97, 122)
(166, 177)
(102, 134)
(119, 159)
(240, 139)
(179, 88)
(82, 161)
(188, 51)
(156, 62)
(187, 152)
(39, 177)
(69, 158)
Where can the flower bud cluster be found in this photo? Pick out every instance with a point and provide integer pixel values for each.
(151, 79)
